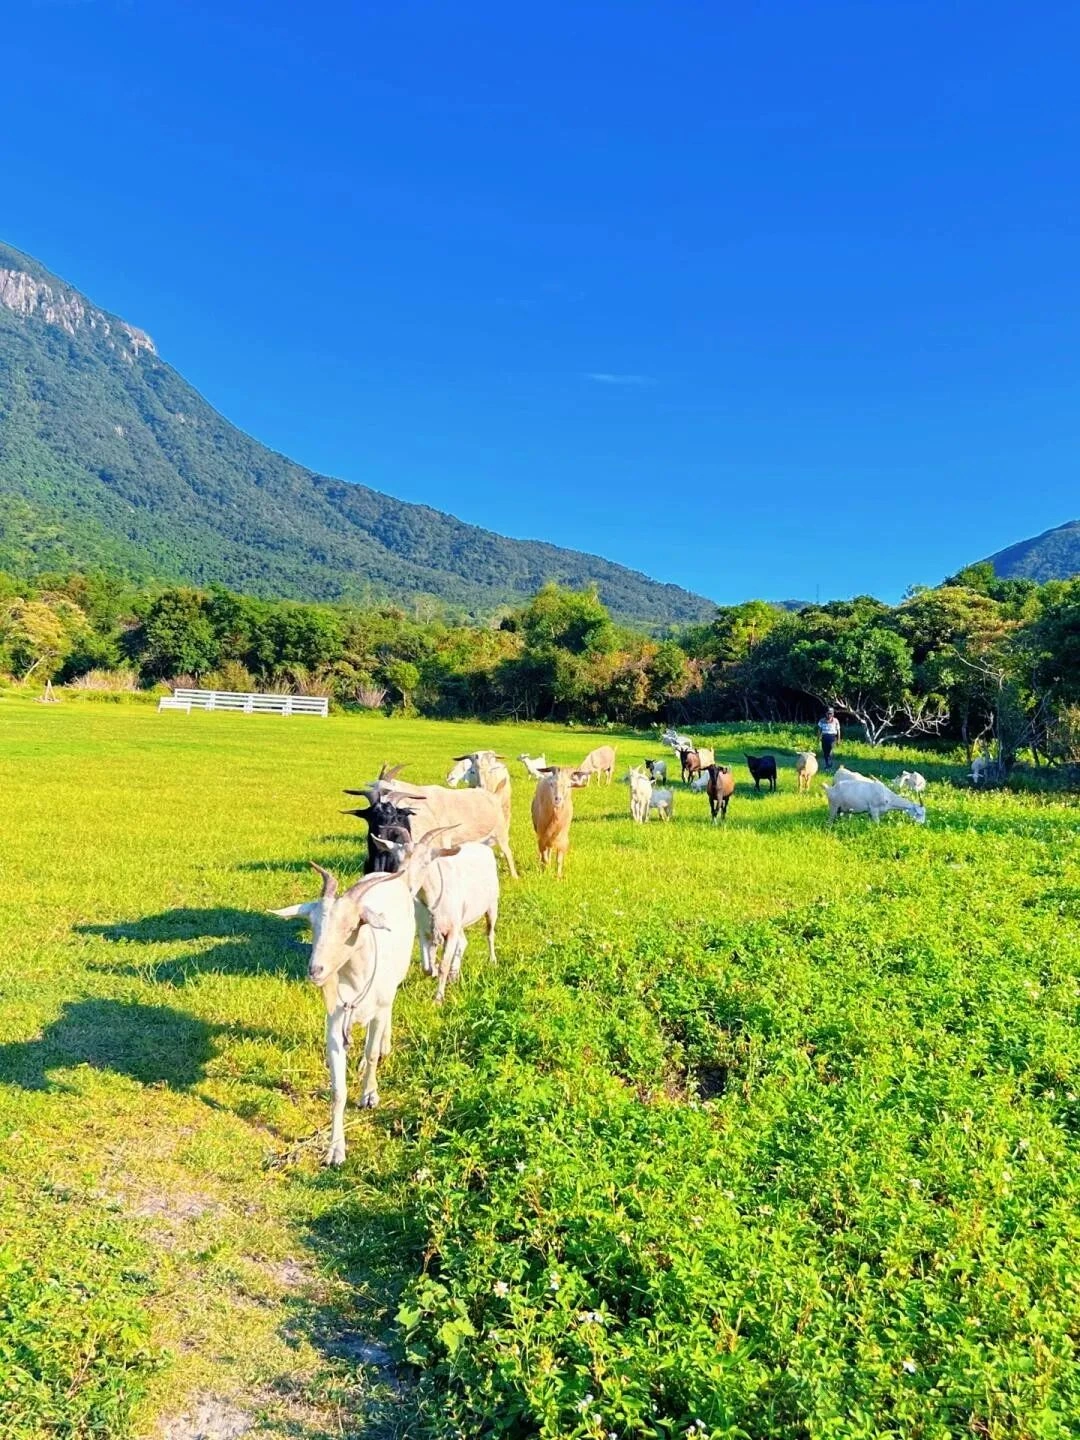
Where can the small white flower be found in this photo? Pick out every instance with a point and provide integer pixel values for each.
(915, 1184)
(502, 1289)
(584, 1404)
(590, 1317)
(422, 1174)
(910, 1366)
(1006, 1176)
(554, 1283)
(520, 1167)
(1023, 1144)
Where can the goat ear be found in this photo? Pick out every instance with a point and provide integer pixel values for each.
(296, 912)
(382, 843)
(373, 918)
(460, 757)
(447, 853)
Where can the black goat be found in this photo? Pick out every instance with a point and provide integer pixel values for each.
(385, 821)
(762, 767)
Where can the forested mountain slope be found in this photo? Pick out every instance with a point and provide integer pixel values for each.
(108, 456)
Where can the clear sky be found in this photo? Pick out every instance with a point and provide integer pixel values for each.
(767, 299)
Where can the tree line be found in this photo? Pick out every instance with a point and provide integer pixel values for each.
(976, 659)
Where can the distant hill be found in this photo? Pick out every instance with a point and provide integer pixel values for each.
(1053, 555)
(108, 457)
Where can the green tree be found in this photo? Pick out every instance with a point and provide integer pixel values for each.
(177, 637)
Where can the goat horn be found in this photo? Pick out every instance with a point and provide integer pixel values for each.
(329, 882)
(387, 772)
(429, 837)
(369, 792)
(360, 814)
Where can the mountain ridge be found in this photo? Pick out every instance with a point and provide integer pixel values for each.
(1053, 555)
(109, 456)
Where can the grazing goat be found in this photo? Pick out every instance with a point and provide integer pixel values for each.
(454, 889)
(762, 767)
(385, 821)
(641, 789)
(911, 780)
(657, 770)
(360, 951)
(700, 783)
(483, 770)
(806, 767)
(869, 797)
(843, 773)
(471, 814)
(534, 764)
(663, 802)
(720, 787)
(600, 761)
(552, 812)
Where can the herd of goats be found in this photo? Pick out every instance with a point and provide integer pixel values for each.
(431, 870)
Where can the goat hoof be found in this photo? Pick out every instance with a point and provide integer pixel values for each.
(369, 1100)
(335, 1155)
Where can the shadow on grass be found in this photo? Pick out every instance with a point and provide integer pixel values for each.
(255, 944)
(154, 1044)
(373, 1246)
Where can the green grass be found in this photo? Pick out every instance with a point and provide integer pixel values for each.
(773, 1127)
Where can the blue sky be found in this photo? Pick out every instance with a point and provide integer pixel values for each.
(766, 299)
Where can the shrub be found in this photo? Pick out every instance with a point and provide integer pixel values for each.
(116, 681)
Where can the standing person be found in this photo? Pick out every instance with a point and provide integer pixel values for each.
(830, 735)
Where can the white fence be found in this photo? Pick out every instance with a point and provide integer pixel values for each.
(188, 700)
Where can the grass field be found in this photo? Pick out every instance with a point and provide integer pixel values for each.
(769, 1131)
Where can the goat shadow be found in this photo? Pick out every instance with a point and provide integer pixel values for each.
(153, 1044)
(253, 944)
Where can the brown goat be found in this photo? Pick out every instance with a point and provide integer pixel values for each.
(721, 787)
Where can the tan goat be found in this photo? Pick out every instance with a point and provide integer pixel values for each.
(552, 812)
(600, 761)
(806, 767)
(472, 814)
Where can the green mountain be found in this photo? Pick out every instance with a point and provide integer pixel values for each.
(108, 457)
(1053, 555)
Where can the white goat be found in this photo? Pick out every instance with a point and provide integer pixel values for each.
(483, 770)
(663, 802)
(676, 741)
(641, 789)
(700, 783)
(869, 797)
(361, 946)
(982, 767)
(534, 764)
(911, 780)
(453, 889)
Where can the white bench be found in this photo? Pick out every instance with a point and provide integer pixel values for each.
(188, 700)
